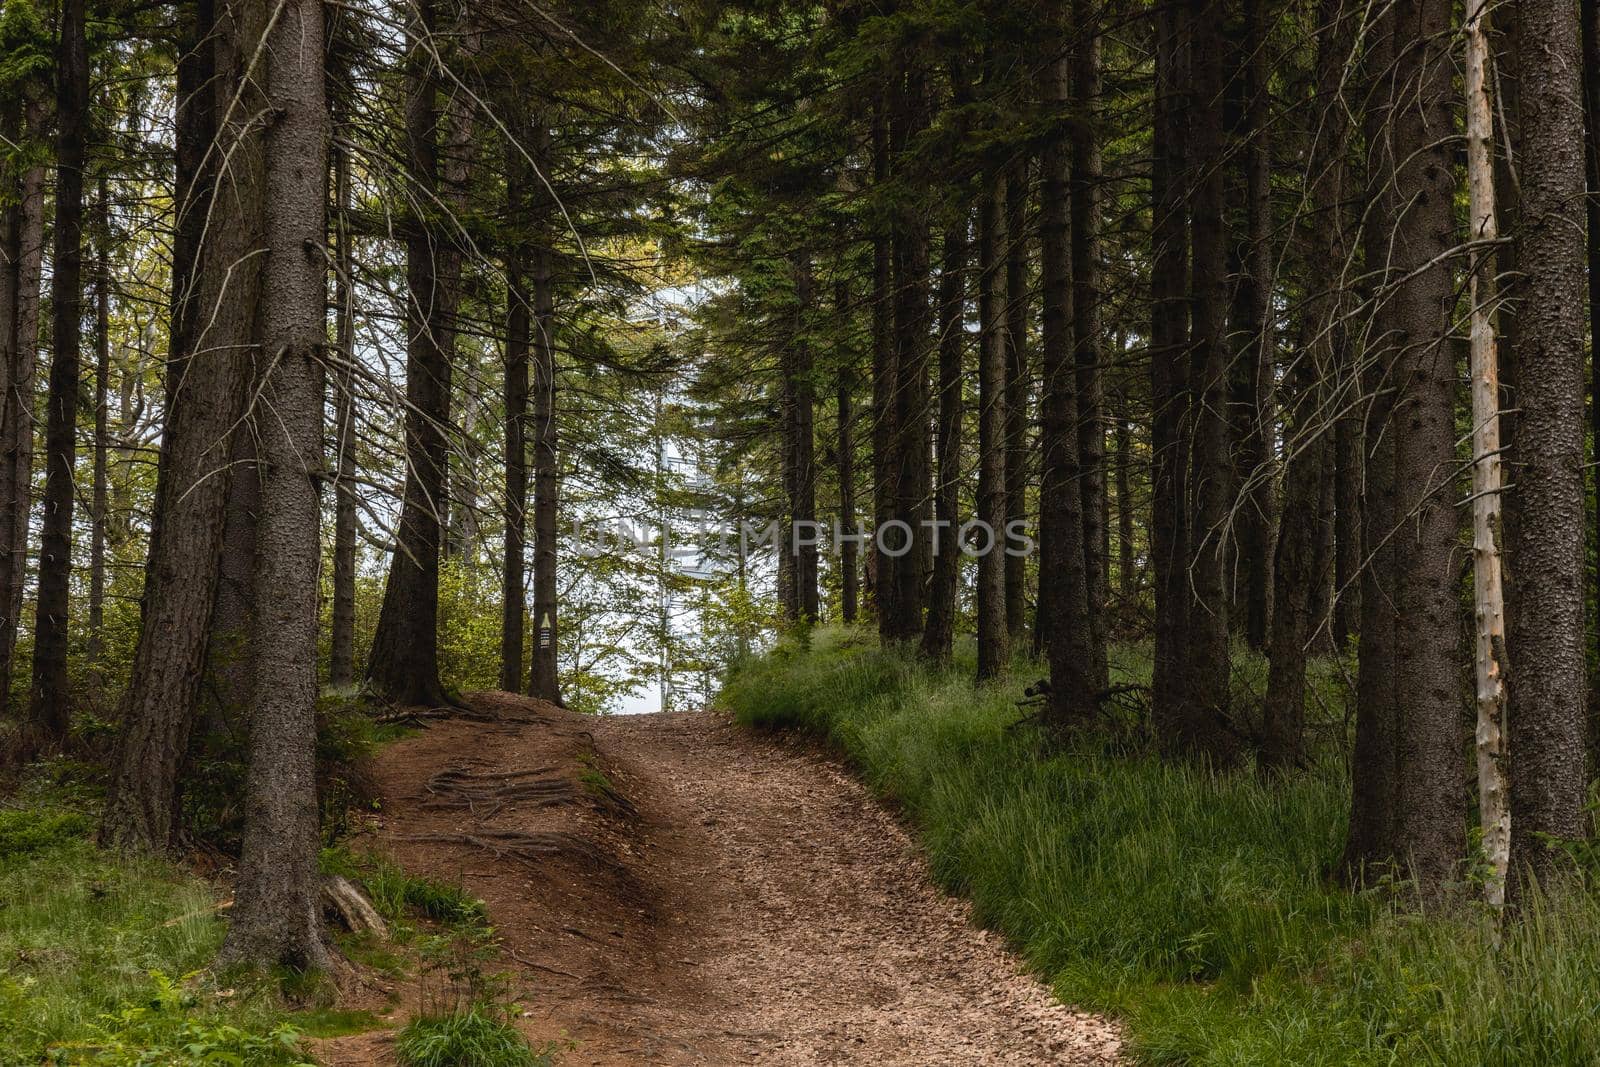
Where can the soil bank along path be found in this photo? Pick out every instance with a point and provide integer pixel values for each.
(673, 889)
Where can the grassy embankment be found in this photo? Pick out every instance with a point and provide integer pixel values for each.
(1196, 907)
(105, 959)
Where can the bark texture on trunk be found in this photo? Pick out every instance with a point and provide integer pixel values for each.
(1590, 13)
(939, 633)
(21, 258)
(404, 664)
(1374, 767)
(544, 678)
(1431, 801)
(994, 652)
(1127, 568)
(1252, 341)
(1294, 566)
(1074, 670)
(22, 121)
(1169, 372)
(1086, 327)
(799, 437)
(912, 337)
(342, 632)
(513, 595)
(1017, 300)
(882, 568)
(277, 914)
(1489, 658)
(207, 401)
(1547, 712)
(100, 491)
(1195, 723)
(849, 568)
(50, 703)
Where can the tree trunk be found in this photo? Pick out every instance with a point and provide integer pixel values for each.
(911, 329)
(1169, 341)
(1313, 381)
(1487, 589)
(21, 403)
(194, 185)
(1074, 678)
(1252, 372)
(994, 653)
(799, 450)
(939, 634)
(1374, 761)
(1322, 590)
(850, 572)
(544, 679)
(342, 637)
(883, 568)
(102, 431)
(1294, 571)
(513, 595)
(1432, 803)
(1196, 724)
(1017, 389)
(1590, 10)
(229, 674)
(1348, 478)
(277, 913)
(1127, 569)
(1086, 339)
(207, 401)
(1547, 714)
(11, 393)
(50, 707)
(404, 665)
(461, 529)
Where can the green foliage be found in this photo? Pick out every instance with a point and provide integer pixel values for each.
(27, 831)
(25, 48)
(469, 626)
(89, 942)
(473, 1037)
(1196, 905)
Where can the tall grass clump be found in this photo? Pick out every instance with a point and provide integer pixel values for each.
(469, 1037)
(1196, 906)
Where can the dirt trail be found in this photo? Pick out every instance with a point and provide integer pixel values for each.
(713, 896)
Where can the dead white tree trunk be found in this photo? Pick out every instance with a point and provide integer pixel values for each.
(1488, 593)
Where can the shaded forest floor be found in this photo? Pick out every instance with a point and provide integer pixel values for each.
(671, 889)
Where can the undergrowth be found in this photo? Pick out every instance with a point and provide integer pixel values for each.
(1195, 906)
(399, 896)
(103, 958)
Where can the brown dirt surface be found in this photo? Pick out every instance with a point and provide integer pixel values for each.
(703, 894)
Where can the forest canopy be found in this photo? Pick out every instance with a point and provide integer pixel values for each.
(380, 353)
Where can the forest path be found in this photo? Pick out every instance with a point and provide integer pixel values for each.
(748, 901)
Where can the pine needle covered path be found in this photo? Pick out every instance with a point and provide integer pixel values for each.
(700, 894)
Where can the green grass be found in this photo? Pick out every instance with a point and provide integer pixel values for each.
(101, 957)
(398, 895)
(1195, 906)
(470, 1037)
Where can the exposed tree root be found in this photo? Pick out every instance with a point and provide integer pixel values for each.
(530, 848)
(421, 716)
(486, 794)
